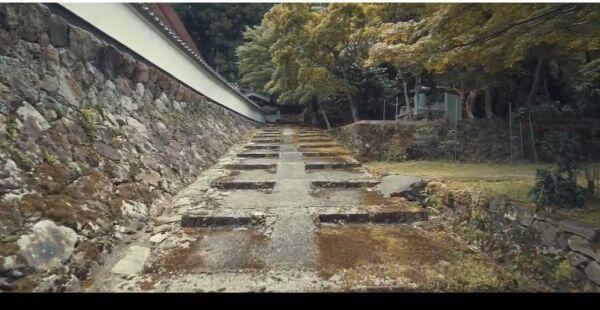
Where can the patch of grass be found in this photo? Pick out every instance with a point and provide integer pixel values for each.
(514, 181)
(442, 170)
(473, 273)
(513, 189)
(589, 214)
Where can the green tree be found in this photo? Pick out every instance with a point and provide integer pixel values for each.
(316, 52)
(487, 41)
(217, 28)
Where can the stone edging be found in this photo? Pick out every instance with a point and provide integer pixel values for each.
(578, 241)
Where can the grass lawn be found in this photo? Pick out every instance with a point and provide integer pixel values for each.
(514, 180)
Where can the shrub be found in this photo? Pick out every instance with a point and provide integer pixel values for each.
(49, 158)
(427, 142)
(559, 186)
(89, 122)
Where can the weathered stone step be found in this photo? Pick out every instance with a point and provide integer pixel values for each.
(314, 140)
(258, 155)
(323, 154)
(317, 146)
(250, 166)
(242, 184)
(317, 166)
(191, 220)
(309, 135)
(400, 216)
(265, 141)
(261, 147)
(266, 136)
(344, 184)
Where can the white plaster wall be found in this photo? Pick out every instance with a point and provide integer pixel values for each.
(124, 24)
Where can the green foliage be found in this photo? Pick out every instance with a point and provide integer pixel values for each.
(358, 54)
(216, 28)
(559, 187)
(89, 122)
(394, 154)
(12, 132)
(302, 52)
(552, 189)
(450, 147)
(565, 271)
(22, 159)
(427, 142)
(471, 47)
(49, 158)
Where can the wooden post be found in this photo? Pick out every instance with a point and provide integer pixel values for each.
(455, 130)
(521, 140)
(396, 115)
(510, 129)
(384, 109)
(532, 139)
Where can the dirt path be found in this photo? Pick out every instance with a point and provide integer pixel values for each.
(292, 211)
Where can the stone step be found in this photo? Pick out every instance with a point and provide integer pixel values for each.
(258, 155)
(323, 154)
(261, 147)
(242, 184)
(344, 184)
(384, 217)
(265, 141)
(317, 146)
(318, 166)
(266, 136)
(250, 166)
(314, 140)
(312, 134)
(191, 220)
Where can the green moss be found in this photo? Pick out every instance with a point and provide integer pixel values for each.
(475, 274)
(49, 158)
(565, 272)
(22, 159)
(12, 132)
(442, 170)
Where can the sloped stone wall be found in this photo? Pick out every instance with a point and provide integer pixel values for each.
(478, 140)
(93, 141)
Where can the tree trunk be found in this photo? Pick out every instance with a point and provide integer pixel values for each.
(489, 103)
(308, 116)
(545, 83)
(536, 80)
(416, 99)
(406, 99)
(353, 107)
(323, 114)
(470, 104)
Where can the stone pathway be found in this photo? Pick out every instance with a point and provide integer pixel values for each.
(289, 211)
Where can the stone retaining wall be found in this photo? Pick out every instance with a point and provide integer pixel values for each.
(93, 141)
(563, 253)
(477, 140)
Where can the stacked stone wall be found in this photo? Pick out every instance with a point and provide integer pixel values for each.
(93, 142)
